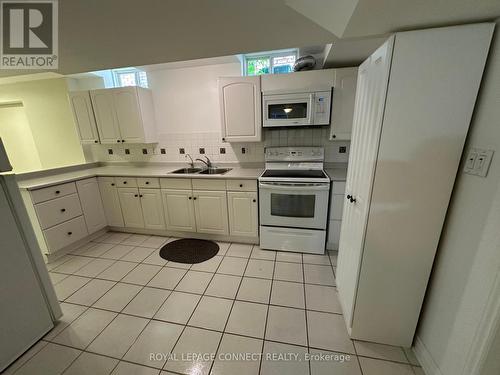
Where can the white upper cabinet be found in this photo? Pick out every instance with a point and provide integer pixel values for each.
(83, 115)
(124, 114)
(240, 107)
(90, 198)
(344, 94)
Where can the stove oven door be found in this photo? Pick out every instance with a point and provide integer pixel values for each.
(296, 205)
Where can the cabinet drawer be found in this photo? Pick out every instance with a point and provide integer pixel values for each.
(65, 234)
(108, 181)
(175, 183)
(58, 210)
(125, 182)
(51, 192)
(205, 184)
(148, 182)
(242, 185)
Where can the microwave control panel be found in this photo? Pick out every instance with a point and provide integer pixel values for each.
(321, 107)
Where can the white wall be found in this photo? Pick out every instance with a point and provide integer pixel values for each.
(186, 100)
(468, 257)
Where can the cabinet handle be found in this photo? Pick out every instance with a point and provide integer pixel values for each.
(112, 184)
(147, 182)
(190, 197)
(123, 140)
(124, 182)
(349, 196)
(63, 210)
(118, 141)
(241, 185)
(353, 200)
(334, 136)
(70, 233)
(58, 192)
(135, 195)
(96, 141)
(194, 198)
(254, 200)
(140, 195)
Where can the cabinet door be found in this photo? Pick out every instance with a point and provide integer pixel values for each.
(369, 109)
(111, 202)
(344, 95)
(242, 213)
(210, 209)
(240, 108)
(90, 199)
(131, 207)
(179, 210)
(152, 208)
(128, 114)
(83, 114)
(105, 116)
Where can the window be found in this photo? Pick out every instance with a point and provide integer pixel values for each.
(130, 77)
(277, 62)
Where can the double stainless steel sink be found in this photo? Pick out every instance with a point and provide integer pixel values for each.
(201, 171)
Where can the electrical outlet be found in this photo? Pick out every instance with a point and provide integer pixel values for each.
(342, 149)
(201, 150)
(145, 151)
(127, 151)
(478, 162)
(222, 150)
(182, 151)
(110, 151)
(163, 151)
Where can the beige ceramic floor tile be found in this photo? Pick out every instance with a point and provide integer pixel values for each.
(288, 272)
(286, 325)
(248, 319)
(223, 286)
(296, 365)
(260, 268)
(211, 313)
(91, 292)
(286, 293)
(52, 359)
(254, 290)
(322, 275)
(322, 298)
(371, 366)
(147, 302)
(117, 297)
(167, 278)
(178, 307)
(142, 274)
(328, 331)
(194, 282)
(237, 345)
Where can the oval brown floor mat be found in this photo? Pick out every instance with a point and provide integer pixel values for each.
(189, 250)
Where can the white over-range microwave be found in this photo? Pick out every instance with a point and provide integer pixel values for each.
(305, 108)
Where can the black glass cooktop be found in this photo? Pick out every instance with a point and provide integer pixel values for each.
(294, 173)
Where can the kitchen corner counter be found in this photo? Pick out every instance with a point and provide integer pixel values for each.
(337, 174)
(163, 171)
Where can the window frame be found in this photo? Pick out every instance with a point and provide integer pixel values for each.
(135, 71)
(268, 55)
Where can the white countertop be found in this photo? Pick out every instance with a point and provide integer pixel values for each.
(133, 171)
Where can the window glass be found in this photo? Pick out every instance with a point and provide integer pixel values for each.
(270, 62)
(257, 66)
(283, 64)
(127, 79)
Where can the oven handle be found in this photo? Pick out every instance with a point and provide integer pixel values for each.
(292, 186)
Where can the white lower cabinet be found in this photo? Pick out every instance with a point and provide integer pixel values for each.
(179, 210)
(210, 209)
(243, 213)
(152, 208)
(131, 207)
(90, 199)
(111, 201)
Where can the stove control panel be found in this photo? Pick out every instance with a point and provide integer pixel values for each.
(294, 154)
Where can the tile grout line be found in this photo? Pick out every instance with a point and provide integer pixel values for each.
(267, 315)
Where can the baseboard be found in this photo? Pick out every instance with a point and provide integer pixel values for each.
(429, 366)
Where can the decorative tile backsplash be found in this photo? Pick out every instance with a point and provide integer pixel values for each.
(175, 147)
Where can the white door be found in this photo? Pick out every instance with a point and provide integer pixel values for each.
(105, 115)
(111, 201)
(243, 219)
(24, 315)
(128, 114)
(152, 208)
(90, 199)
(240, 106)
(368, 114)
(131, 207)
(344, 96)
(210, 209)
(83, 114)
(179, 210)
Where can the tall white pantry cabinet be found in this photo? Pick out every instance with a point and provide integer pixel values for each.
(414, 101)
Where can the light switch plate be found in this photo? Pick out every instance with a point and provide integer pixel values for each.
(478, 162)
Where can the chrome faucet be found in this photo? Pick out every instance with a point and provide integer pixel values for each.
(208, 163)
(192, 162)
